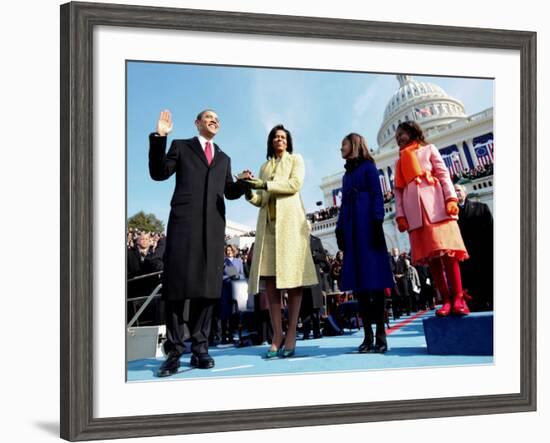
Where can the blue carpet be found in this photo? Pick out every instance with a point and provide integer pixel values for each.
(406, 342)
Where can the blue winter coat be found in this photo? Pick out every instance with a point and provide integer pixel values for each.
(365, 267)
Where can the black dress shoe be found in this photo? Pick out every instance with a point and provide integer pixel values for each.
(365, 347)
(202, 361)
(317, 335)
(381, 349)
(170, 365)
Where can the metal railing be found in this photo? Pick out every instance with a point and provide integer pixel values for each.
(148, 298)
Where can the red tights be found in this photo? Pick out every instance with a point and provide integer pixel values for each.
(446, 273)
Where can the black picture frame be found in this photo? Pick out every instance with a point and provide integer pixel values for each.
(77, 218)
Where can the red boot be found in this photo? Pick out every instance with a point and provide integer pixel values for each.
(452, 270)
(459, 305)
(445, 310)
(436, 268)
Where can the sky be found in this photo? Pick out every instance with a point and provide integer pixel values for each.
(318, 107)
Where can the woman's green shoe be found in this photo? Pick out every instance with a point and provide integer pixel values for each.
(288, 353)
(272, 354)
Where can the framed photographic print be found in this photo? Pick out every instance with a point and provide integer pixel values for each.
(471, 90)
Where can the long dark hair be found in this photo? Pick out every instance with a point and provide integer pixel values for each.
(271, 136)
(414, 130)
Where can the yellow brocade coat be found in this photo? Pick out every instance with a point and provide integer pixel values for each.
(294, 264)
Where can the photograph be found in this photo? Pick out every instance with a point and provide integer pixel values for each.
(272, 221)
(267, 222)
(278, 224)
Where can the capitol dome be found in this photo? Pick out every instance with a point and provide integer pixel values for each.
(423, 102)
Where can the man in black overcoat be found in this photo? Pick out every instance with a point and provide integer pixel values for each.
(476, 226)
(193, 259)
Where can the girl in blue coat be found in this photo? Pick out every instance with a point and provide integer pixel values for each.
(366, 267)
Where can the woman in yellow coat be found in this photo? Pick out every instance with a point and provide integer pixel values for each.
(282, 256)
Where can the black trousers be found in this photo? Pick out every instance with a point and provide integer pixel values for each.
(395, 303)
(372, 310)
(310, 316)
(200, 321)
(403, 287)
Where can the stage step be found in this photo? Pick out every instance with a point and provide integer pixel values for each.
(468, 335)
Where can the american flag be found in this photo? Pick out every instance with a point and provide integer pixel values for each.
(484, 152)
(453, 163)
(383, 183)
(423, 112)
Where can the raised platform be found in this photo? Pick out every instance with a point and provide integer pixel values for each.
(468, 335)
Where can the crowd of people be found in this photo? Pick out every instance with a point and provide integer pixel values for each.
(323, 214)
(472, 174)
(133, 235)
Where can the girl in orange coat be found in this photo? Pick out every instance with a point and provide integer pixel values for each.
(426, 207)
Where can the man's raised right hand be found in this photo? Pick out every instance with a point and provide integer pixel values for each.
(165, 125)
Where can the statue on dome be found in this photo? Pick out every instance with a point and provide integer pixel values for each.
(404, 79)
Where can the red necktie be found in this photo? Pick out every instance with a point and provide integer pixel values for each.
(208, 152)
